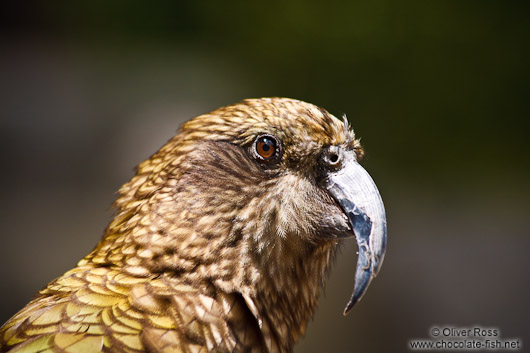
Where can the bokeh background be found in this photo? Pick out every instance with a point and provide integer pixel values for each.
(438, 91)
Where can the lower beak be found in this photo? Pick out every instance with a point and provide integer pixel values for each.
(355, 191)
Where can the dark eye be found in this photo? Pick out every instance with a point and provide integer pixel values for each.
(266, 147)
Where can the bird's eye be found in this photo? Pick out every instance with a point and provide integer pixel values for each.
(266, 147)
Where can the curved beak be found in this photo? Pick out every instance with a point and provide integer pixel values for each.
(355, 191)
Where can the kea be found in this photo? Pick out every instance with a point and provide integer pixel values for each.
(221, 241)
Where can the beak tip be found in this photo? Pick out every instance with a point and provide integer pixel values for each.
(363, 276)
(350, 306)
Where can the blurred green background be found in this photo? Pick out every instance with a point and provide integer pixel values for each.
(438, 91)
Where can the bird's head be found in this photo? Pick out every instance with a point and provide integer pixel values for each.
(256, 192)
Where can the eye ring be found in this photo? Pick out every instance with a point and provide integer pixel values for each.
(266, 147)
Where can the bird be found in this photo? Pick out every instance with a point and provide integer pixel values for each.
(221, 241)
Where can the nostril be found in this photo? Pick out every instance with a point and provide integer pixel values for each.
(330, 161)
(333, 158)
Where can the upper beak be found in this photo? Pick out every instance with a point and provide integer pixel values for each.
(355, 191)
